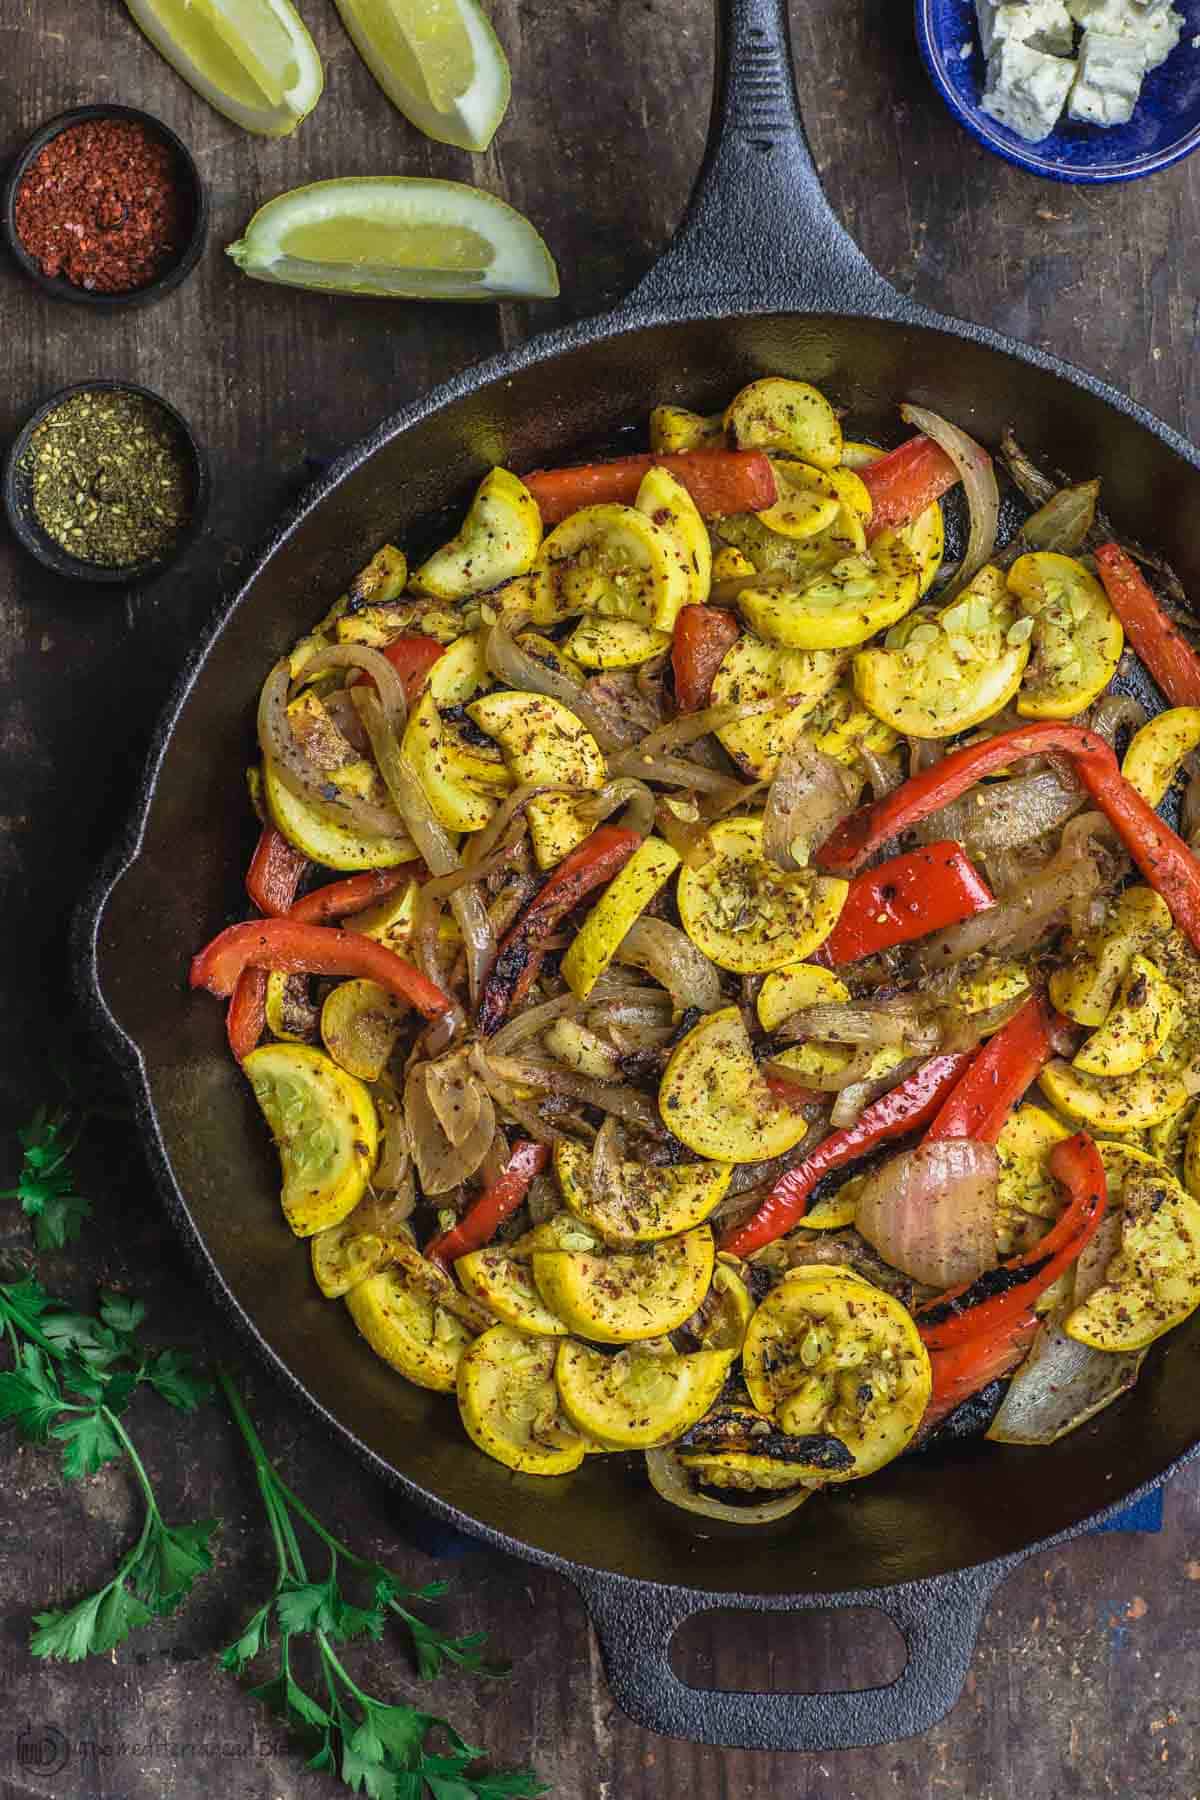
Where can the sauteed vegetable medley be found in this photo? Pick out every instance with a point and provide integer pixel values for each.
(720, 985)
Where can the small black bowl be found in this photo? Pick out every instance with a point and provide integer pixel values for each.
(18, 494)
(190, 180)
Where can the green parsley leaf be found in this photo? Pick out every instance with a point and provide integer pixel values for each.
(288, 1700)
(96, 1625)
(122, 1314)
(30, 1395)
(170, 1561)
(46, 1186)
(321, 1606)
(256, 1635)
(88, 1441)
(174, 1376)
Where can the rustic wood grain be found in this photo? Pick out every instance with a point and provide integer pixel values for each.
(1088, 1667)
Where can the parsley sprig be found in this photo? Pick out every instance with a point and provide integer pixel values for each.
(72, 1377)
(378, 1748)
(46, 1186)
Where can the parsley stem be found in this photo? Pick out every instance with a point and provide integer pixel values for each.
(139, 1468)
(270, 1486)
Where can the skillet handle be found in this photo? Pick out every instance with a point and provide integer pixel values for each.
(939, 1621)
(758, 224)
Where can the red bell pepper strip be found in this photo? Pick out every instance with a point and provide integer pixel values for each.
(338, 899)
(1002, 1071)
(703, 636)
(1159, 852)
(246, 1014)
(1158, 641)
(983, 1308)
(719, 481)
(297, 948)
(275, 873)
(906, 1108)
(904, 482)
(412, 655)
(904, 898)
(484, 1217)
(596, 861)
(963, 1369)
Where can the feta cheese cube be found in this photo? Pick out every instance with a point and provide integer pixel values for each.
(1109, 79)
(1027, 90)
(1156, 27)
(1043, 24)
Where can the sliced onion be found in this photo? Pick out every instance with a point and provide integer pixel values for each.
(482, 843)
(1065, 520)
(456, 1095)
(431, 839)
(390, 1203)
(1005, 815)
(1060, 1385)
(395, 1160)
(931, 1212)
(901, 1021)
(532, 1124)
(532, 1022)
(626, 791)
(851, 1102)
(924, 753)
(518, 669)
(1091, 1265)
(1036, 487)
(674, 961)
(1017, 922)
(688, 837)
(810, 794)
(979, 482)
(301, 776)
(1114, 713)
(388, 684)
(672, 1482)
(442, 1165)
(883, 772)
(677, 771)
(689, 727)
(606, 1097)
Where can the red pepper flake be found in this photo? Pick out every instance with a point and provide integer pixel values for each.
(102, 206)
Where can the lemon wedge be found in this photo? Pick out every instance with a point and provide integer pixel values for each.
(398, 235)
(251, 59)
(439, 61)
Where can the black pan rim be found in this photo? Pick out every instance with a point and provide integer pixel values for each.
(632, 317)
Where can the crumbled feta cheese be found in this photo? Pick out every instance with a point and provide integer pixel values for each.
(1109, 79)
(1156, 29)
(1027, 90)
(1042, 24)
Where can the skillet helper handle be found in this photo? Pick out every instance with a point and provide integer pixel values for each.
(938, 1620)
(758, 223)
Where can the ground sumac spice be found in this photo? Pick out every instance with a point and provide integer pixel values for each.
(102, 205)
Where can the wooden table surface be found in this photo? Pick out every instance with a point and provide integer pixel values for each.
(1086, 1679)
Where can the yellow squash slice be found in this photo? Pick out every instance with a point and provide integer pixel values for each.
(647, 1203)
(331, 845)
(626, 1296)
(598, 643)
(345, 1254)
(1153, 1281)
(1141, 1021)
(833, 1212)
(808, 501)
(360, 1022)
(790, 416)
(664, 499)
(1122, 1103)
(445, 779)
(1087, 986)
(727, 1308)
(675, 428)
(639, 1397)
(839, 606)
(325, 1130)
(509, 1404)
(938, 676)
(543, 741)
(786, 991)
(753, 670)
(840, 726)
(830, 1356)
(746, 914)
(714, 1099)
(1077, 637)
(1023, 1147)
(506, 1287)
(1153, 758)
(498, 540)
(291, 1014)
(623, 901)
(613, 560)
(405, 1326)
(461, 671)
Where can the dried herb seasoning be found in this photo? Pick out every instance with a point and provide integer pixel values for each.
(103, 207)
(110, 478)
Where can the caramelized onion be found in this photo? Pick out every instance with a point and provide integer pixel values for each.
(1065, 520)
(670, 956)
(901, 1021)
(388, 684)
(672, 1482)
(931, 1212)
(512, 664)
(1017, 922)
(626, 791)
(1005, 815)
(810, 794)
(1114, 713)
(606, 1097)
(442, 1165)
(1060, 1385)
(301, 776)
(979, 483)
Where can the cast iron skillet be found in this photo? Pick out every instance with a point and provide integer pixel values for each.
(761, 279)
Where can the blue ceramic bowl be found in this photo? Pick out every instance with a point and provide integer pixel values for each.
(1165, 125)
